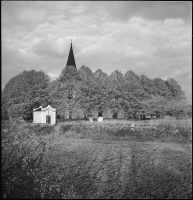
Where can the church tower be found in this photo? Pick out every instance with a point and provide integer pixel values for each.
(71, 60)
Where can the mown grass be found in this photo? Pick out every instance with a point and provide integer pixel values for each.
(100, 160)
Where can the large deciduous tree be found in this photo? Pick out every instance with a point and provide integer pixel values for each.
(154, 106)
(116, 93)
(87, 91)
(24, 92)
(161, 88)
(177, 107)
(147, 86)
(68, 89)
(134, 94)
(101, 96)
(175, 89)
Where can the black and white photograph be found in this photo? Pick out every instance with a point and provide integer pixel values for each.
(96, 99)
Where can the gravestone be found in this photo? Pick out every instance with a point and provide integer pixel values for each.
(91, 119)
(100, 119)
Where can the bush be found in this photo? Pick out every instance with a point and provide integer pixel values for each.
(163, 132)
(43, 129)
(23, 154)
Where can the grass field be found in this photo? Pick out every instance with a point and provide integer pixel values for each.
(83, 168)
(79, 165)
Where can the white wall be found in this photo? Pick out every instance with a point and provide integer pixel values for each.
(53, 117)
(37, 117)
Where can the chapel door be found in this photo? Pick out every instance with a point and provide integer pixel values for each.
(48, 119)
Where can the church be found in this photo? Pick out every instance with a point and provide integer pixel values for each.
(67, 74)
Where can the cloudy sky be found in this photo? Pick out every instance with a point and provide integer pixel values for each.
(150, 38)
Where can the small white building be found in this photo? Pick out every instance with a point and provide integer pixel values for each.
(44, 115)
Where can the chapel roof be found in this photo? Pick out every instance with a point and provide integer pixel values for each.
(44, 109)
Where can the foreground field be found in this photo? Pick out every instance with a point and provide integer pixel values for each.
(110, 169)
(115, 164)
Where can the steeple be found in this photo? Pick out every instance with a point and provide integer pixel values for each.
(71, 60)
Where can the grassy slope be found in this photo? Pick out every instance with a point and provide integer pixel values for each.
(82, 168)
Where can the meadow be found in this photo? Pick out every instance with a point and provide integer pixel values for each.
(89, 160)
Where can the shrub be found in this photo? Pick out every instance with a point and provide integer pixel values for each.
(164, 132)
(23, 153)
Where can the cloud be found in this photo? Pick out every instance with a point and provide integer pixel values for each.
(158, 10)
(55, 17)
(45, 49)
(183, 75)
(53, 76)
(77, 9)
(32, 14)
(57, 6)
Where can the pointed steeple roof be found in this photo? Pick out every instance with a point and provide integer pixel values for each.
(71, 60)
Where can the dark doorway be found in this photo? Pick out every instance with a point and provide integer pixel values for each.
(48, 119)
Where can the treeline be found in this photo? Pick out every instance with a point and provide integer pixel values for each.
(82, 93)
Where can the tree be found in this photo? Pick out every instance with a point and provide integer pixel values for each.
(54, 100)
(116, 92)
(87, 91)
(155, 106)
(133, 94)
(161, 88)
(148, 86)
(4, 112)
(68, 89)
(24, 92)
(101, 97)
(178, 108)
(82, 90)
(175, 89)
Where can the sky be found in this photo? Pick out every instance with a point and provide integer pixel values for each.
(153, 38)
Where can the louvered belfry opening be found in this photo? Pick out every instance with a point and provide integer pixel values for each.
(71, 60)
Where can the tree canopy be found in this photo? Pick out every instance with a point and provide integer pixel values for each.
(81, 93)
(24, 92)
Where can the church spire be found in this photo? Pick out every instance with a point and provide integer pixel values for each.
(71, 60)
